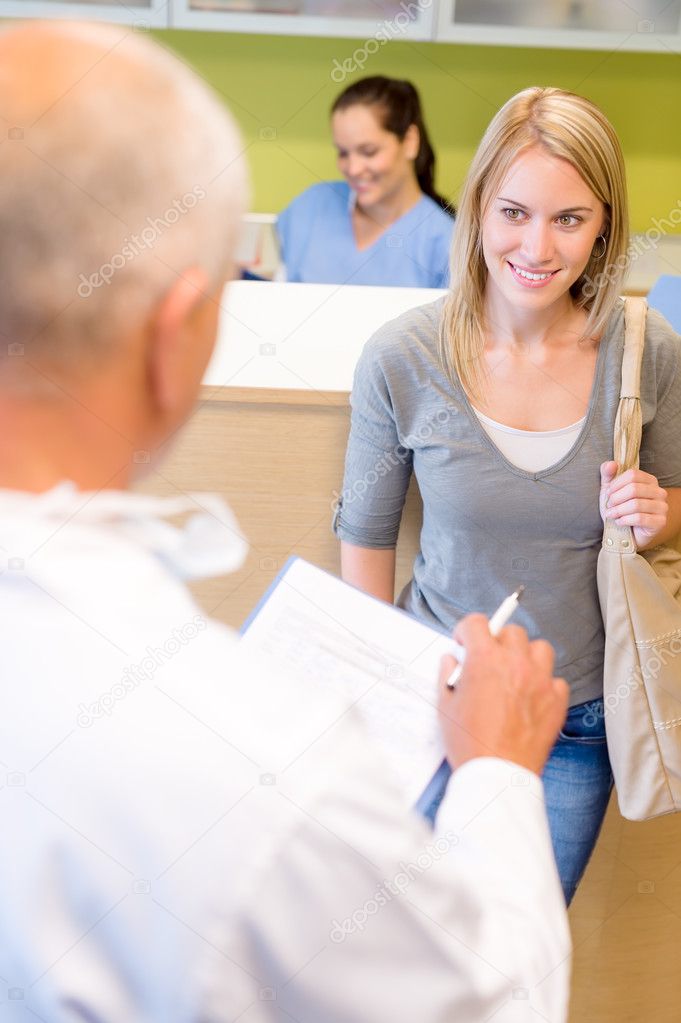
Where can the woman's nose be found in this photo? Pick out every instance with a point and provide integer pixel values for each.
(353, 165)
(538, 245)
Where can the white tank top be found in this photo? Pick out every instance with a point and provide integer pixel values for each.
(531, 450)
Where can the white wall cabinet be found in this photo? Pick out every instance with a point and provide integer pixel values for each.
(647, 25)
(142, 13)
(382, 20)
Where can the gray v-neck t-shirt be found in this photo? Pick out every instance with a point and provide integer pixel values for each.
(487, 524)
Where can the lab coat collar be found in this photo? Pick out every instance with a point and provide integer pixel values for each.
(209, 543)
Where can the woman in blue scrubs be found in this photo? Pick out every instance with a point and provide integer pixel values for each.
(385, 223)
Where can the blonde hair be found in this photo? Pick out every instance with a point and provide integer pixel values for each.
(571, 128)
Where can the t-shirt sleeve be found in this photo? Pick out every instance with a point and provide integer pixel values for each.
(294, 227)
(661, 402)
(441, 255)
(283, 225)
(285, 222)
(377, 466)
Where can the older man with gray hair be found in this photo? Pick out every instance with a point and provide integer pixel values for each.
(149, 870)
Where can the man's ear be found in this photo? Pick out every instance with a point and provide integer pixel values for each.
(175, 349)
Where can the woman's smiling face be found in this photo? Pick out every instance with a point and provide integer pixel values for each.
(539, 231)
(374, 162)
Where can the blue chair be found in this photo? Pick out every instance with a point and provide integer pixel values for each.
(665, 296)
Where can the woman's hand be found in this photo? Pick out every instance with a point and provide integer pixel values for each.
(635, 499)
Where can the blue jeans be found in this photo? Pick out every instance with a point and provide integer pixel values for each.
(577, 785)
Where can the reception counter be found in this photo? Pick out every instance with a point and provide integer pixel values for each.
(269, 434)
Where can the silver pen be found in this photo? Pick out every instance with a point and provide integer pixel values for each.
(496, 624)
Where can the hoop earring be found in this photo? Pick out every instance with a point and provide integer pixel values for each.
(599, 255)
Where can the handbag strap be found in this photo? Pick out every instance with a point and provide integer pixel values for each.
(627, 435)
(635, 310)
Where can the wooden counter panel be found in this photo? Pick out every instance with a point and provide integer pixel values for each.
(279, 467)
(274, 396)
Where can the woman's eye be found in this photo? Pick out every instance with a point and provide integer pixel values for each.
(568, 220)
(512, 214)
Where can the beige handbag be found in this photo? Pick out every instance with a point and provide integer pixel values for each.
(640, 597)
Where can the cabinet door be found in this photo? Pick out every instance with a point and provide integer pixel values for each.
(380, 20)
(140, 13)
(580, 24)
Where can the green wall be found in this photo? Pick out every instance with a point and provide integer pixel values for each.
(280, 89)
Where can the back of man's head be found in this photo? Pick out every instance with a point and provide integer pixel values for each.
(119, 170)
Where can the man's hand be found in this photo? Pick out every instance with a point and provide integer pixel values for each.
(507, 703)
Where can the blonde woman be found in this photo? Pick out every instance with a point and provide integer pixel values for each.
(501, 399)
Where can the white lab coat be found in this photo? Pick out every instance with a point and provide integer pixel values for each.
(188, 835)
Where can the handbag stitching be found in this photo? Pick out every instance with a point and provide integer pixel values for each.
(661, 725)
(644, 643)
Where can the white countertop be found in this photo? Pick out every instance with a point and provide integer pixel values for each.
(309, 336)
(301, 336)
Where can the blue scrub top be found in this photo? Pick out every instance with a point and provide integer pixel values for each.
(318, 244)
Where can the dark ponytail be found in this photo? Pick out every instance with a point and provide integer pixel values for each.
(399, 106)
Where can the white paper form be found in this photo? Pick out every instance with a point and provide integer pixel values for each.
(382, 662)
